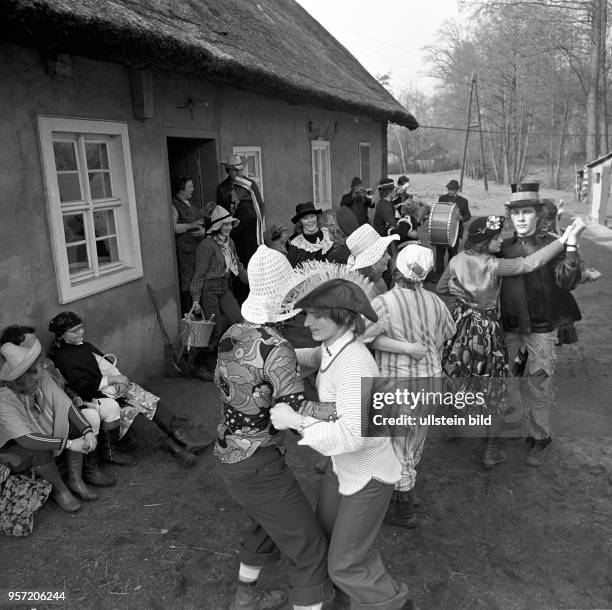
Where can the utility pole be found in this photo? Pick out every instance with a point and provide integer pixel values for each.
(473, 95)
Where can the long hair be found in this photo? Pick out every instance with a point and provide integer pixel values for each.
(341, 317)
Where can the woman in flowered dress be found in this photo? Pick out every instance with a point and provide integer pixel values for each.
(476, 354)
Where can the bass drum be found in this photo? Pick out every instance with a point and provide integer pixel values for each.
(444, 224)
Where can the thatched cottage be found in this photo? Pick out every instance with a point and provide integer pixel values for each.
(103, 100)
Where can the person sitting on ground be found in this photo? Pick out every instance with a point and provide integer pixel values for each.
(211, 290)
(279, 234)
(310, 241)
(39, 421)
(358, 200)
(81, 364)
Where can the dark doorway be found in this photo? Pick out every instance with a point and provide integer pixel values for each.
(198, 159)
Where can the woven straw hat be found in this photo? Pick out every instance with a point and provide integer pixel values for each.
(367, 246)
(414, 262)
(233, 161)
(270, 279)
(219, 217)
(19, 358)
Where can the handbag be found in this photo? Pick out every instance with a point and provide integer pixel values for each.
(107, 365)
(20, 500)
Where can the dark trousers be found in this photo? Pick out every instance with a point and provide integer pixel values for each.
(282, 523)
(440, 252)
(218, 299)
(154, 432)
(351, 524)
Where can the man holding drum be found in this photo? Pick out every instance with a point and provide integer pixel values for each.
(463, 208)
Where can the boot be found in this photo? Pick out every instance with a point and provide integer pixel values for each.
(183, 456)
(93, 475)
(61, 494)
(203, 374)
(538, 451)
(251, 597)
(492, 454)
(74, 462)
(191, 444)
(401, 510)
(107, 446)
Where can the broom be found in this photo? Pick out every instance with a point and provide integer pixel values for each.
(170, 365)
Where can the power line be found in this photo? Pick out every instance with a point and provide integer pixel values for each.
(511, 133)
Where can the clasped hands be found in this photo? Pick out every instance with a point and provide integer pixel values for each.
(283, 417)
(573, 231)
(84, 444)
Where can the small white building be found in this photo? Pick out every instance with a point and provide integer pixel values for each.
(600, 181)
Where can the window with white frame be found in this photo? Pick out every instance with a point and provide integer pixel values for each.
(321, 174)
(251, 156)
(364, 164)
(92, 204)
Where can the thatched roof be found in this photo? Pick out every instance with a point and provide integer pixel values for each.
(273, 47)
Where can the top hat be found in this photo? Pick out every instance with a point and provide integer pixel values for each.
(233, 161)
(453, 184)
(526, 194)
(340, 294)
(19, 358)
(386, 184)
(270, 279)
(303, 209)
(367, 246)
(219, 217)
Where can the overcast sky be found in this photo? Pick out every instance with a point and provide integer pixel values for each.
(386, 35)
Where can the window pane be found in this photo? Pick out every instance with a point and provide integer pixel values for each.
(104, 222)
(251, 166)
(97, 155)
(69, 187)
(65, 156)
(107, 250)
(78, 259)
(100, 185)
(74, 228)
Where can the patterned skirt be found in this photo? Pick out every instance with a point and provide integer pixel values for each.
(476, 357)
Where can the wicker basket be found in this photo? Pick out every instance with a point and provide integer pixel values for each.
(197, 333)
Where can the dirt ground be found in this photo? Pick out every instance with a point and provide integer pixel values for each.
(512, 538)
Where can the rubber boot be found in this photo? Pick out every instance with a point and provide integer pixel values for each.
(74, 462)
(93, 474)
(538, 451)
(61, 494)
(181, 455)
(401, 510)
(107, 447)
(189, 443)
(492, 454)
(251, 597)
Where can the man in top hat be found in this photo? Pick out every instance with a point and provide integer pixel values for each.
(530, 309)
(385, 221)
(240, 196)
(452, 196)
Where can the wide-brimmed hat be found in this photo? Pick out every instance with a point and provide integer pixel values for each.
(19, 358)
(233, 161)
(415, 262)
(219, 217)
(64, 321)
(339, 294)
(453, 184)
(303, 209)
(526, 194)
(367, 246)
(485, 227)
(271, 277)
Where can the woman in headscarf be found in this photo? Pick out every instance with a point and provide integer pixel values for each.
(38, 421)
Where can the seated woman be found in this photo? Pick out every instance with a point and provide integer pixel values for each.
(216, 262)
(310, 242)
(38, 421)
(79, 362)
